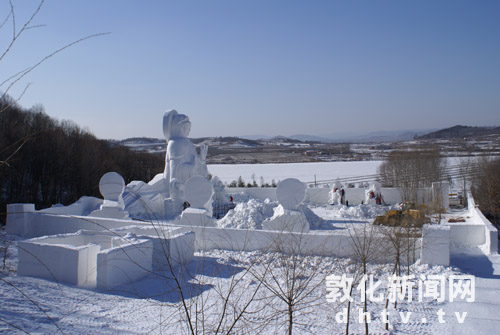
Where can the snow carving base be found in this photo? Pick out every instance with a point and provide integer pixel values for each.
(198, 193)
(285, 220)
(290, 193)
(195, 217)
(111, 187)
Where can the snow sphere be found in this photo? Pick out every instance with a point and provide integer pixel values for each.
(111, 186)
(290, 193)
(198, 191)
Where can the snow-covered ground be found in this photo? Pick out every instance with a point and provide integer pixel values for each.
(153, 305)
(305, 172)
(347, 172)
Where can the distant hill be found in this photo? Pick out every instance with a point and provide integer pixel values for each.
(460, 132)
(378, 136)
(389, 136)
(283, 139)
(311, 138)
(158, 145)
(342, 137)
(141, 140)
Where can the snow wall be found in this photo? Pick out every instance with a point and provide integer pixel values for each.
(104, 259)
(65, 259)
(435, 245)
(124, 263)
(176, 243)
(337, 243)
(450, 237)
(320, 196)
(487, 235)
(24, 220)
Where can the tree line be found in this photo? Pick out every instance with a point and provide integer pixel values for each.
(411, 170)
(46, 161)
(486, 188)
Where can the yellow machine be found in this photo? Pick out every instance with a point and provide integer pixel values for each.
(403, 217)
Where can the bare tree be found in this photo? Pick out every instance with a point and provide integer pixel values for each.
(293, 281)
(366, 249)
(465, 169)
(17, 31)
(486, 187)
(411, 170)
(215, 298)
(214, 295)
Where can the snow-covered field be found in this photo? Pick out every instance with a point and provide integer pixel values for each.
(219, 285)
(153, 305)
(305, 172)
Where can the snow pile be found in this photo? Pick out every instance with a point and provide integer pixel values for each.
(251, 213)
(248, 215)
(315, 222)
(363, 211)
(359, 212)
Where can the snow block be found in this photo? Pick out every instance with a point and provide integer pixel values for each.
(104, 259)
(435, 245)
(170, 250)
(72, 264)
(471, 235)
(285, 220)
(18, 217)
(126, 261)
(180, 250)
(195, 217)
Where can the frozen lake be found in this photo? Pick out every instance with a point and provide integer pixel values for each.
(305, 172)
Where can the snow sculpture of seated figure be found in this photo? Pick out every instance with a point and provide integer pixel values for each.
(287, 218)
(182, 161)
(111, 187)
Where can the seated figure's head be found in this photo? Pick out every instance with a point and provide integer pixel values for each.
(175, 125)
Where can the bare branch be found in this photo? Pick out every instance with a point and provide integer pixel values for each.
(13, 326)
(27, 71)
(6, 19)
(13, 20)
(15, 35)
(13, 76)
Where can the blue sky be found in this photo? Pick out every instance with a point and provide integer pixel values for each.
(262, 67)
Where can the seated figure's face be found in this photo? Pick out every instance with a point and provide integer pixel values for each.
(181, 126)
(185, 129)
